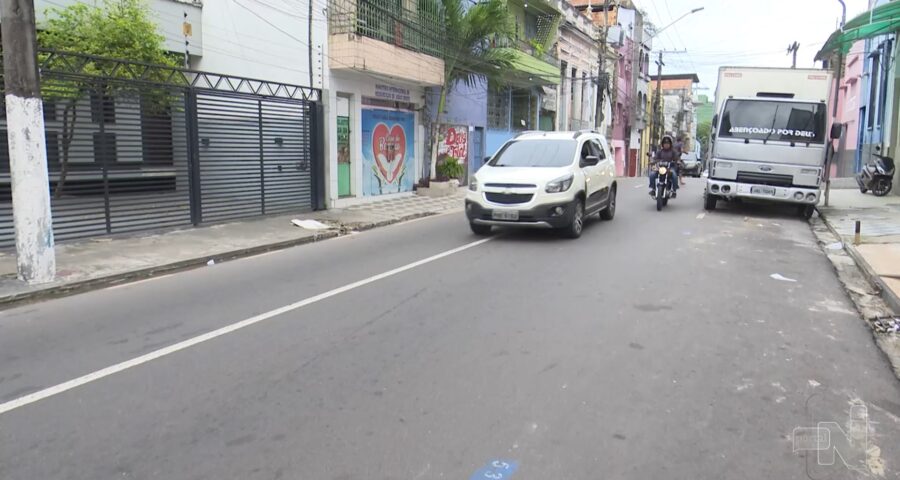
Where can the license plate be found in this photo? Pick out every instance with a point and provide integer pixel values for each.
(505, 215)
(763, 190)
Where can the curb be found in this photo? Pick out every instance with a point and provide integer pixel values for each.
(885, 292)
(81, 286)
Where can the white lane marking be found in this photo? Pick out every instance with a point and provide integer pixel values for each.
(162, 352)
(700, 216)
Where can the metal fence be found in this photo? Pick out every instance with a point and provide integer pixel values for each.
(134, 147)
(415, 26)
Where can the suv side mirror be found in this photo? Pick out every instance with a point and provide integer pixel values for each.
(590, 161)
(837, 129)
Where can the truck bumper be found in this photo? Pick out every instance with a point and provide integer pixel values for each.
(731, 190)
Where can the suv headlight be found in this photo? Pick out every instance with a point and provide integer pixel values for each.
(561, 184)
(473, 185)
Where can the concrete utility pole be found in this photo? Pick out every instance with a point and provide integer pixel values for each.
(27, 145)
(657, 102)
(792, 48)
(604, 33)
(837, 90)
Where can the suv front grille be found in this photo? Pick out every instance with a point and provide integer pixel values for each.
(510, 185)
(508, 198)
(765, 179)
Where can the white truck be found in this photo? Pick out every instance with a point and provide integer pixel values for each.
(768, 137)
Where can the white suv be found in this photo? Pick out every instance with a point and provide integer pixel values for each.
(544, 180)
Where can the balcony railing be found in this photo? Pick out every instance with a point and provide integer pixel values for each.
(388, 21)
(525, 46)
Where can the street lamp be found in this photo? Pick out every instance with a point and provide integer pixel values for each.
(657, 102)
(679, 19)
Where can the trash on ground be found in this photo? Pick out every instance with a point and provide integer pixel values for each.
(782, 278)
(310, 224)
(211, 263)
(835, 246)
(887, 325)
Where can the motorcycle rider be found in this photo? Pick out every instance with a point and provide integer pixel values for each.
(664, 153)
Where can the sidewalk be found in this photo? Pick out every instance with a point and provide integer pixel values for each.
(878, 253)
(100, 262)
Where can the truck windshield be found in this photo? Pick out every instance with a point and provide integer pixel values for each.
(536, 153)
(773, 120)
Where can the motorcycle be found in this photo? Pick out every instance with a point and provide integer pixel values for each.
(877, 176)
(663, 190)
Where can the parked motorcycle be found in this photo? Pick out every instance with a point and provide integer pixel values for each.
(877, 176)
(663, 189)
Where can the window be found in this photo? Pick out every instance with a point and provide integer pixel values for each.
(535, 153)
(598, 149)
(103, 108)
(105, 147)
(49, 110)
(773, 120)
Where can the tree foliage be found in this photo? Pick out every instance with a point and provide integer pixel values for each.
(116, 29)
(469, 57)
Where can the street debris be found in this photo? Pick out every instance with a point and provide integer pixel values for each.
(782, 278)
(814, 384)
(310, 224)
(700, 216)
(887, 325)
(211, 263)
(835, 246)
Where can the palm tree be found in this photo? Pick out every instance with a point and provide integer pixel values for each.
(468, 55)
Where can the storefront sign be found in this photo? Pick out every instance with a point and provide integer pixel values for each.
(388, 140)
(454, 142)
(390, 92)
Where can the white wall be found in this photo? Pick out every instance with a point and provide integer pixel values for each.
(265, 40)
(357, 86)
(168, 14)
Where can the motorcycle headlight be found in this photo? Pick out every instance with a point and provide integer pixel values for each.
(561, 184)
(663, 170)
(473, 185)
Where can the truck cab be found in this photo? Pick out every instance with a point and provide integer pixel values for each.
(768, 144)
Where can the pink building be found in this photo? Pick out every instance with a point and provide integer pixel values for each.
(624, 103)
(844, 164)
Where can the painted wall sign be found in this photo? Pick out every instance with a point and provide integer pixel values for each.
(454, 143)
(390, 92)
(388, 140)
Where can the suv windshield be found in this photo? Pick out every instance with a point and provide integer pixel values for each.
(773, 120)
(535, 153)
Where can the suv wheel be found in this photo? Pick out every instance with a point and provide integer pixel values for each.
(610, 211)
(574, 229)
(480, 229)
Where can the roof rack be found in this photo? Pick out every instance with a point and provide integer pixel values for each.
(582, 132)
(529, 132)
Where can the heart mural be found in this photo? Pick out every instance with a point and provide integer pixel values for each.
(389, 149)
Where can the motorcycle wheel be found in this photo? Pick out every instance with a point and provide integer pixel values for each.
(660, 201)
(665, 202)
(881, 187)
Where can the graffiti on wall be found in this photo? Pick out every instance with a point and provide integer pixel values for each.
(454, 142)
(388, 140)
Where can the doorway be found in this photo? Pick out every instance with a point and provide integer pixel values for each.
(344, 166)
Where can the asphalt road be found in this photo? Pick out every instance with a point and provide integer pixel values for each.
(656, 346)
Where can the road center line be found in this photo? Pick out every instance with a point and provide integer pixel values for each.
(162, 352)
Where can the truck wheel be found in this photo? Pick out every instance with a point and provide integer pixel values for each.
(709, 203)
(806, 211)
(480, 229)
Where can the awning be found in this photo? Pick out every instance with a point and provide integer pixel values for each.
(878, 21)
(528, 70)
